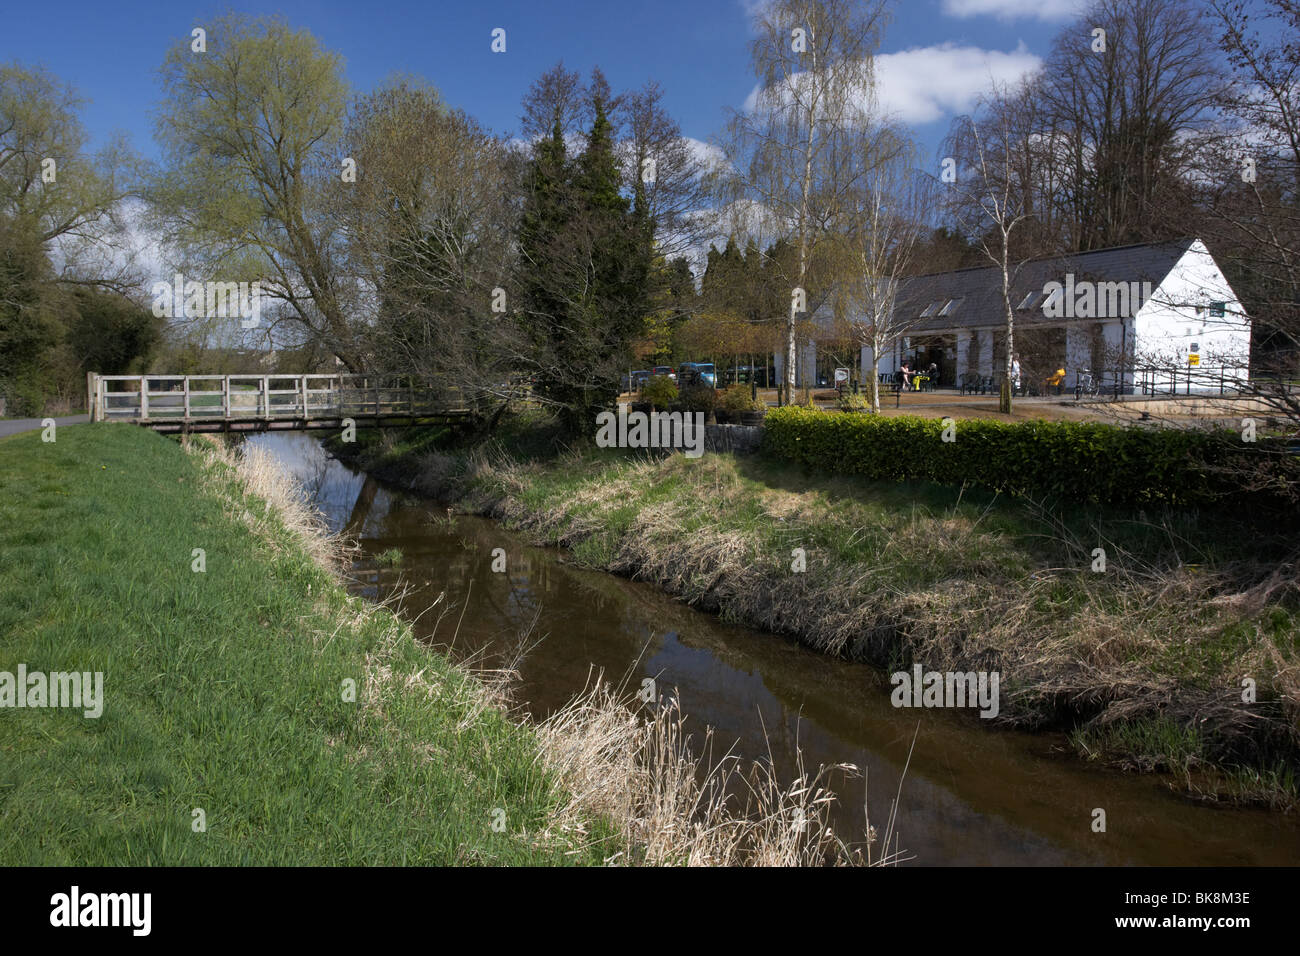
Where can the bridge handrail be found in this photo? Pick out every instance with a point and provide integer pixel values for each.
(342, 395)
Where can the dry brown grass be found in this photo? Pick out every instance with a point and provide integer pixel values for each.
(1152, 638)
(634, 765)
(255, 471)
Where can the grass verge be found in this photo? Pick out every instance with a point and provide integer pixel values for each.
(225, 690)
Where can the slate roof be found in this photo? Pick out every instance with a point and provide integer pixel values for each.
(979, 290)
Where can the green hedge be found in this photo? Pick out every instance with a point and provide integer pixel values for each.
(1082, 461)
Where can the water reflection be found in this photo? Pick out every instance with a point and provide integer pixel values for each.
(971, 796)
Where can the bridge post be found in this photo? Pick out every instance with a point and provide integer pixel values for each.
(92, 393)
(265, 399)
(144, 397)
(306, 412)
(225, 398)
(187, 398)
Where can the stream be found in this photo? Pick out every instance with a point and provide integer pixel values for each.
(971, 795)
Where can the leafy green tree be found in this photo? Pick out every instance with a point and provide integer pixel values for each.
(585, 265)
(28, 325)
(251, 129)
(111, 334)
(54, 196)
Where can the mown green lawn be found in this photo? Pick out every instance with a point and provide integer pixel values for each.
(224, 690)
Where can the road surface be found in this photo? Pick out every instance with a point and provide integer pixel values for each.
(12, 426)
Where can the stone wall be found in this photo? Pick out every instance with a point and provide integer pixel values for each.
(737, 439)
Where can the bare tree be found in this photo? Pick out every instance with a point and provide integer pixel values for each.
(814, 63)
(884, 220)
(1124, 91)
(664, 173)
(428, 230)
(1251, 180)
(991, 200)
(558, 95)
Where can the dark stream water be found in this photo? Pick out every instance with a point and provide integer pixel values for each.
(971, 795)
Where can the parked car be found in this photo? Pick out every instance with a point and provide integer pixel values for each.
(633, 382)
(697, 373)
(664, 370)
(744, 374)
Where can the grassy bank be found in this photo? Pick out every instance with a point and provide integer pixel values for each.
(1143, 661)
(224, 690)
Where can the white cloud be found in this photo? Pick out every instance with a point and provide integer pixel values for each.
(1049, 10)
(706, 154)
(924, 84)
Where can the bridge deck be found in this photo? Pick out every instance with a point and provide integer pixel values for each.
(266, 402)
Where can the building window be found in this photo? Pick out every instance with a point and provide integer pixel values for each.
(930, 310)
(1030, 301)
(950, 306)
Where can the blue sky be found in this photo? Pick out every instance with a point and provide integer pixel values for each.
(938, 53)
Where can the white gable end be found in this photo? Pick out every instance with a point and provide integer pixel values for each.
(1194, 307)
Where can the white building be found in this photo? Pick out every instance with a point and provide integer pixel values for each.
(1155, 316)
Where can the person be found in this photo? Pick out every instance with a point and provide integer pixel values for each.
(1015, 372)
(905, 373)
(933, 373)
(1055, 380)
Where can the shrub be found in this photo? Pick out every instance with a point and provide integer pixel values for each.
(660, 391)
(736, 399)
(853, 402)
(698, 398)
(1083, 461)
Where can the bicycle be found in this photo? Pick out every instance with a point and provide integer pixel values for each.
(1086, 384)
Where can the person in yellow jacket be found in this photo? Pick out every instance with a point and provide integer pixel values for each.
(1054, 381)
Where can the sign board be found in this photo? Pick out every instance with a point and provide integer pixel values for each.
(1193, 359)
(841, 375)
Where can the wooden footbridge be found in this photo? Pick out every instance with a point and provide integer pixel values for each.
(211, 403)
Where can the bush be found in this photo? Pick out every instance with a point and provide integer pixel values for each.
(736, 399)
(660, 391)
(697, 398)
(853, 402)
(1082, 461)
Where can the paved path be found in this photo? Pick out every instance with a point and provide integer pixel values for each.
(12, 426)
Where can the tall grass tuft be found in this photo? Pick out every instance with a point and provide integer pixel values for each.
(635, 766)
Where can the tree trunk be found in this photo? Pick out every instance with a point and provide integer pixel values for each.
(875, 384)
(1004, 396)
